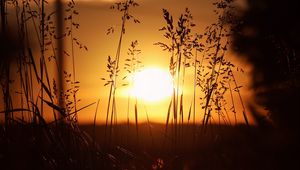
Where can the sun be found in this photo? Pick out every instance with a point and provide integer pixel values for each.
(152, 84)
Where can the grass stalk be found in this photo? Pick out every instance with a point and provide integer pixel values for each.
(240, 98)
(113, 66)
(149, 126)
(94, 123)
(60, 48)
(233, 104)
(136, 121)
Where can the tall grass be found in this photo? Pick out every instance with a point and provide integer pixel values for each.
(218, 73)
(113, 64)
(60, 142)
(180, 47)
(213, 72)
(132, 67)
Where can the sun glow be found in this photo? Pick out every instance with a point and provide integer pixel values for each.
(152, 85)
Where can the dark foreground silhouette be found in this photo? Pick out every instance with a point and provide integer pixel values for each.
(221, 147)
(268, 37)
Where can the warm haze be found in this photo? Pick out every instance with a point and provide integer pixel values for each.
(149, 84)
(96, 17)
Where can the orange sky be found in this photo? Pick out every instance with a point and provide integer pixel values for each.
(95, 17)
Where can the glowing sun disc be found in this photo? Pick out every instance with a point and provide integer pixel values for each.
(152, 84)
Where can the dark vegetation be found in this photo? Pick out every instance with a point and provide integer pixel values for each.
(268, 38)
(265, 37)
(29, 93)
(222, 147)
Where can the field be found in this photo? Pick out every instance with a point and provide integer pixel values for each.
(217, 111)
(220, 148)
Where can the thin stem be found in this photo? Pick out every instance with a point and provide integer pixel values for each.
(73, 66)
(95, 120)
(42, 34)
(113, 86)
(210, 83)
(194, 95)
(60, 49)
(240, 97)
(136, 120)
(233, 104)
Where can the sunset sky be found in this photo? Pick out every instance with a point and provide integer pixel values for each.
(96, 17)
(149, 84)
